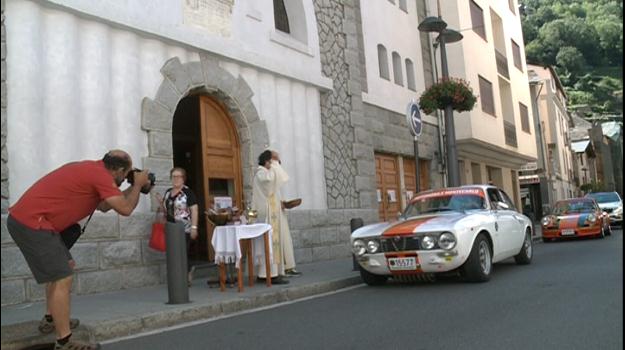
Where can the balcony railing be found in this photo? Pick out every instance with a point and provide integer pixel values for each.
(509, 131)
(502, 64)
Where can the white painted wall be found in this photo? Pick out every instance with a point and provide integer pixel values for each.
(75, 87)
(252, 38)
(385, 23)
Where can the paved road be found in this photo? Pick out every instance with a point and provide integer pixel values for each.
(570, 297)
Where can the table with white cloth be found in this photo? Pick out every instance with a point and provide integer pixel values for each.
(227, 241)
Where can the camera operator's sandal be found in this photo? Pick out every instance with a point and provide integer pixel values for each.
(46, 327)
(72, 345)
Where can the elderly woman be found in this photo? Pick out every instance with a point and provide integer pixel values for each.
(181, 206)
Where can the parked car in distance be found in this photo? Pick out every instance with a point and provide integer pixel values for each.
(462, 230)
(611, 203)
(575, 217)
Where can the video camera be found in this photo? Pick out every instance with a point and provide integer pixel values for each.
(145, 189)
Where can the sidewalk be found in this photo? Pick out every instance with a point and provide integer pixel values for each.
(116, 314)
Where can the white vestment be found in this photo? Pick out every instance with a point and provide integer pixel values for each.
(267, 201)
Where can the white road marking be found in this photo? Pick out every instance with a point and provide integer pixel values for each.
(221, 317)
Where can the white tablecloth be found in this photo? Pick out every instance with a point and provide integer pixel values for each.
(226, 242)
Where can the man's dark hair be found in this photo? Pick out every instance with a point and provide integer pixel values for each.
(116, 160)
(264, 157)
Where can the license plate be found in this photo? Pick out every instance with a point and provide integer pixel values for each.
(402, 264)
(568, 232)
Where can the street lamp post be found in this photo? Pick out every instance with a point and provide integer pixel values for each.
(437, 25)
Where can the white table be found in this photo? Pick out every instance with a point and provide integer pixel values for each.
(227, 241)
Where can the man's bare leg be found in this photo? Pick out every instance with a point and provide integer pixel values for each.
(58, 299)
(72, 263)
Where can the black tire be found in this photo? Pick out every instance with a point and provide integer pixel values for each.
(479, 264)
(372, 279)
(525, 255)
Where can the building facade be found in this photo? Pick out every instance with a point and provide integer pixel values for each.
(555, 123)
(494, 140)
(206, 85)
(396, 70)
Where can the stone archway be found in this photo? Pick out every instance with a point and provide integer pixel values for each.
(208, 78)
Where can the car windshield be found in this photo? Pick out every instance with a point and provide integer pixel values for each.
(604, 197)
(446, 200)
(573, 207)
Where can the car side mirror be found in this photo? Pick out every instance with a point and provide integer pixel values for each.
(502, 206)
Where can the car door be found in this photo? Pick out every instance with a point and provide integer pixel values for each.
(504, 225)
(517, 232)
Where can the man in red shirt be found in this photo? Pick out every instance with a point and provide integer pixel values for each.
(55, 202)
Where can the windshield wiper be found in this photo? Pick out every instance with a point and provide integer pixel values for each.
(437, 209)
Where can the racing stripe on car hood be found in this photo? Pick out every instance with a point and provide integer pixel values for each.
(567, 222)
(406, 228)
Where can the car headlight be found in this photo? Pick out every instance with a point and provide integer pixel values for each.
(428, 242)
(359, 247)
(618, 210)
(546, 220)
(373, 246)
(591, 218)
(447, 240)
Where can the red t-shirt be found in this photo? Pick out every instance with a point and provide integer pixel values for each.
(65, 196)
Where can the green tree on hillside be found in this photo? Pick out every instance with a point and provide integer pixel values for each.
(583, 40)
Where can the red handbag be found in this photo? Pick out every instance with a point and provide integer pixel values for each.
(157, 240)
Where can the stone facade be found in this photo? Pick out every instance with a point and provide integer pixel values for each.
(348, 153)
(5, 156)
(389, 131)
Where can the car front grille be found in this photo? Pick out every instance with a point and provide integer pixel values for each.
(608, 210)
(399, 243)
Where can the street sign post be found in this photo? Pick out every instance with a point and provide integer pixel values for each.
(415, 125)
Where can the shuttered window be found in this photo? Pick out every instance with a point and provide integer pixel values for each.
(477, 20)
(516, 55)
(525, 118)
(486, 96)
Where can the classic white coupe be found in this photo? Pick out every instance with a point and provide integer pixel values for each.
(453, 230)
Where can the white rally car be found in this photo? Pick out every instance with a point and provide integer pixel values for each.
(453, 230)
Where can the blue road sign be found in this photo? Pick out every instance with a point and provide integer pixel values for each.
(413, 116)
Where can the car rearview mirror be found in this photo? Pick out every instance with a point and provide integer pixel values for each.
(502, 206)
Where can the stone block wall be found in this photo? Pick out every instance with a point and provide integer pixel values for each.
(113, 254)
(4, 157)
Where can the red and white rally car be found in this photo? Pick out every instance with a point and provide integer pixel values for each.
(576, 217)
(464, 229)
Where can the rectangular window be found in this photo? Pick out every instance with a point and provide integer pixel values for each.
(403, 5)
(525, 119)
(477, 20)
(516, 55)
(511, 6)
(486, 96)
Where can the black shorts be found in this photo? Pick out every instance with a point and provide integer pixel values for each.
(44, 251)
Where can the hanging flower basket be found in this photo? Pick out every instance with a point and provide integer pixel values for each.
(451, 91)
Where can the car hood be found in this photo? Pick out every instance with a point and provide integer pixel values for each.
(610, 205)
(423, 223)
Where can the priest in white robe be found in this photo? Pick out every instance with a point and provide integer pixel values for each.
(267, 201)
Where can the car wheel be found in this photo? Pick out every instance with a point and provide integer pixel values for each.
(479, 264)
(372, 279)
(525, 255)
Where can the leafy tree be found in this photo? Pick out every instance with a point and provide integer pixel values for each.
(583, 39)
(570, 59)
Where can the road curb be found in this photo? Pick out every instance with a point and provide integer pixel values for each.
(21, 335)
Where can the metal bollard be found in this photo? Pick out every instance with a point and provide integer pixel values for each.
(176, 250)
(354, 224)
